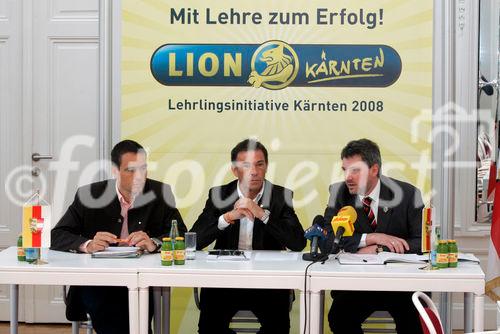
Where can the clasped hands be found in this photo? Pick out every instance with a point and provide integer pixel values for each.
(395, 244)
(102, 240)
(244, 207)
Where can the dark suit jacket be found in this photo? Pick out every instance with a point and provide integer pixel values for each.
(96, 208)
(283, 229)
(399, 214)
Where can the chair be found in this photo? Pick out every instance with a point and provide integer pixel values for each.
(498, 315)
(80, 320)
(379, 322)
(244, 321)
(429, 315)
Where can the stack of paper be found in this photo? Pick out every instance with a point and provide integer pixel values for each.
(380, 258)
(118, 253)
(229, 255)
(388, 257)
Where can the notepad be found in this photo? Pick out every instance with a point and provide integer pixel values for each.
(118, 253)
(380, 258)
(228, 255)
(388, 257)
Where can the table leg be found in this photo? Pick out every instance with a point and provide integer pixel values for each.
(478, 313)
(322, 311)
(166, 309)
(14, 308)
(133, 310)
(143, 311)
(468, 312)
(316, 313)
(157, 310)
(303, 311)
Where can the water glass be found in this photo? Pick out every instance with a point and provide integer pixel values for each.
(190, 239)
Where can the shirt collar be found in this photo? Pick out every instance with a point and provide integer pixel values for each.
(374, 194)
(121, 198)
(259, 195)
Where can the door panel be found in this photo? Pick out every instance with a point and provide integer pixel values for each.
(50, 103)
(66, 116)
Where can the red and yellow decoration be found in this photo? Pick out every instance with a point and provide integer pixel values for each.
(36, 226)
(426, 228)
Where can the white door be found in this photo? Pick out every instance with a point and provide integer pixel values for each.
(11, 129)
(63, 118)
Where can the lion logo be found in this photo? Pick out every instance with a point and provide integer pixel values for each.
(274, 66)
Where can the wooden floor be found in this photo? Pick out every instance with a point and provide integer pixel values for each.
(39, 329)
(58, 329)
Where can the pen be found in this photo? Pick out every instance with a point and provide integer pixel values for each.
(121, 240)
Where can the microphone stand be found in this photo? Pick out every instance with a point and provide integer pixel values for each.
(314, 257)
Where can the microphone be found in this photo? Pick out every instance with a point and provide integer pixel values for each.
(343, 224)
(314, 233)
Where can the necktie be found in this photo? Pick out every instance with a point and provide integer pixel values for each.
(369, 212)
(124, 213)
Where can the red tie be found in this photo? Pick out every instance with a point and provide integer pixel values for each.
(369, 212)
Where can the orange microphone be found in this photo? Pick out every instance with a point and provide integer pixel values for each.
(343, 223)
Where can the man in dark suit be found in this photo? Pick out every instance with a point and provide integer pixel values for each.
(248, 213)
(130, 210)
(389, 218)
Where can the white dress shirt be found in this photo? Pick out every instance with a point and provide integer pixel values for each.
(246, 225)
(375, 196)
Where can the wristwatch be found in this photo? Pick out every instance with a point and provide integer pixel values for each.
(157, 243)
(266, 215)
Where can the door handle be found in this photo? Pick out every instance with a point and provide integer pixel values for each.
(38, 157)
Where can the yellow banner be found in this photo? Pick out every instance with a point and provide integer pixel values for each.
(304, 77)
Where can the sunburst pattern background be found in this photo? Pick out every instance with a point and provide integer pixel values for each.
(190, 149)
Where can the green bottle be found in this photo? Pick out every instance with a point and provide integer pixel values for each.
(452, 254)
(442, 254)
(166, 252)
(21, 256)
(179, 251)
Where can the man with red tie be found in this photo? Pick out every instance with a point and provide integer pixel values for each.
(389, 219)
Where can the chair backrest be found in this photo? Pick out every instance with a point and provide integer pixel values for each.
(429, 316)
(379, 322)
(78, 319)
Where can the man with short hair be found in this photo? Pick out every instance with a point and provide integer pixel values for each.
(249, 213)
(130, 210)
(389, 218)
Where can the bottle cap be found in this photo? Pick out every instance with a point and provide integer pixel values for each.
(167, 239)
(179, 238)
(443, 241)
(452, 240)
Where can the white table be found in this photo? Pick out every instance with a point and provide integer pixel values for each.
(70, 269)
(265, 270)
(467, 278)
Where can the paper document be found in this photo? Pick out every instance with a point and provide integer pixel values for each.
(229, 255)
(388, 257)
(469, 257)
(380, 258)
(277, 256)
(118, 253)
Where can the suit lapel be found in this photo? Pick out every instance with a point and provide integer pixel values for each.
(138, 214)
(258, 226)
(234, 230)
(265, 200)
(384, 213)
(112, 209)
